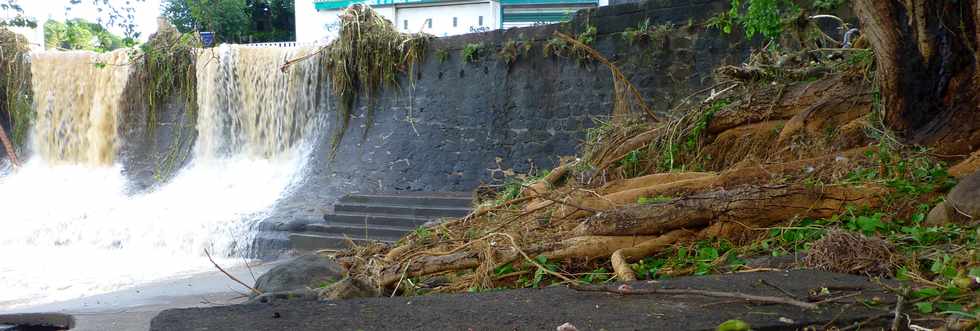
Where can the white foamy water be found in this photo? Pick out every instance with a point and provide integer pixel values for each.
(69, 229)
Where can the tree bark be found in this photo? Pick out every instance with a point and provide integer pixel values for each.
(927, 69)
(753, 206)
(9, 147)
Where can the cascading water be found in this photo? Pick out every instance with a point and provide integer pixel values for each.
(69, 227)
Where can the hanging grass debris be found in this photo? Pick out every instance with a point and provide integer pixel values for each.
(369, 53)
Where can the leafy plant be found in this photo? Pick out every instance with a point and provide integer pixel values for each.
(763, 17)
(555, 47)
(512, 50)
(540, 273)
(442, 55)
(600, 275)
(631, 164)
(471, 52)
(723, 21)
(644, 32)
(423, 233)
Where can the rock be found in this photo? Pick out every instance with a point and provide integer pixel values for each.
(301, 294)
(349, 288)
(937, 216)
(963, 201)
(301, 273)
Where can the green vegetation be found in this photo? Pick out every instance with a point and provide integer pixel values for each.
(512, 50)
(557, 47)
(763, 17)
(167, 69)
(17, 101)
(442, 55)
(645, 33)
(471, 52)
(234, 20)
(78, 34)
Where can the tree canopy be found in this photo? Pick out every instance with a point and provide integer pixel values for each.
(79, 34)
(234, 20)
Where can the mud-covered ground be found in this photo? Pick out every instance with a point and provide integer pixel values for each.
(855, 300)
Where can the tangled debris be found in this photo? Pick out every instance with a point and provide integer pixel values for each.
(851, 252)
(728, 167)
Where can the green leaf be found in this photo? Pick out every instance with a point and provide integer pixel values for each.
(949, 307)
(734, 325)
(924, 307)
(926, 293)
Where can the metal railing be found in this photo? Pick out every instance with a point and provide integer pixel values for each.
(284, 44)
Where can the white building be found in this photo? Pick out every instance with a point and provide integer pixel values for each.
(317, 19)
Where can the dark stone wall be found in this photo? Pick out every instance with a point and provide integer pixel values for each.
(462, 124)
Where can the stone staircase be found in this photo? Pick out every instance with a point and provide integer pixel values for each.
(382, 217)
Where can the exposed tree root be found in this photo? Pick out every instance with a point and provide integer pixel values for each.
(761, 205)
(621, 258)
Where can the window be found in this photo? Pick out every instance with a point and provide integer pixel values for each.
(428, 22)
(454, 22)
(405, 23)
(481, 21)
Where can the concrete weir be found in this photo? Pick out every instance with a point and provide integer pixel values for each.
(458, 124)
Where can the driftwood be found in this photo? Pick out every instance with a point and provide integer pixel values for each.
(760, 205)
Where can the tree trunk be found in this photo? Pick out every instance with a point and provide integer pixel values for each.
(753, 206)
(9, 147)
(927, 57)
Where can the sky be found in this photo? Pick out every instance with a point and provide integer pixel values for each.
(147, 12)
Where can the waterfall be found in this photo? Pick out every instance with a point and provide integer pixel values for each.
(242, 110)
(70, 228)
(77, 97)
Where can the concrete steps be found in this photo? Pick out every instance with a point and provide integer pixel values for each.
(384, 217)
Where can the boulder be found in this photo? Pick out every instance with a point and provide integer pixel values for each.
(963, 201)
(349, 288)
(937, 216)
(301, 273)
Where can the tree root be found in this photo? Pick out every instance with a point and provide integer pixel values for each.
(621, 258)
(763, 205)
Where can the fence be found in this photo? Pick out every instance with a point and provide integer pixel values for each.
(284, 44)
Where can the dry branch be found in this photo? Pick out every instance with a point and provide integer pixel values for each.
(254, 290)
(626, 290)
(624, 89)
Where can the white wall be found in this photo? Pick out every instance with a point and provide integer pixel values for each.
(312, 25)
(467, 18)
